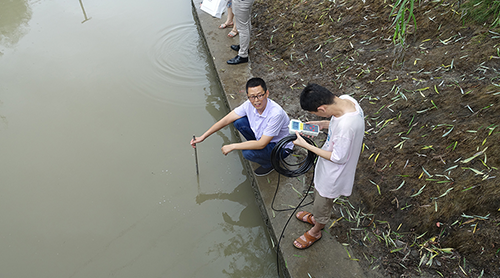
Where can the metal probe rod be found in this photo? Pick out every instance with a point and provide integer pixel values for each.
(196, 157)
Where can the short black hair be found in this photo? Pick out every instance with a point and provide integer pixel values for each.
(314, 95)
(255, 82)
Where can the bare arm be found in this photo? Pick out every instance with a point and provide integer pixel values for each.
(229, 118)
(302, 143)
(248, 145)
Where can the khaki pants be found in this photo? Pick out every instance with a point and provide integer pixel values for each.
(242, 10)
(322, 208)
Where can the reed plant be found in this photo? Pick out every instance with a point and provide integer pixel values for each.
(483, 11)
(402, 19)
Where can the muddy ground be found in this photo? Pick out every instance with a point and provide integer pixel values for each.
(427, 194)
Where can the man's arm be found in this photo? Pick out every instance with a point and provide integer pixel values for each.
(248, 145)
(229, 118)
(339, 155)
(302, 143)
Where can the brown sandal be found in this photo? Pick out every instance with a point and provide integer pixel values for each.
(306, 214)
(310, 240)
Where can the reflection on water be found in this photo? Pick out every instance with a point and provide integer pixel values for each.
(14, 19)
(84, 13)
(249, 253)
(97, 174)
(239, 195)
(245, 250)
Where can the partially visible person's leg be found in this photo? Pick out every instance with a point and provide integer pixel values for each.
(242, 11)
(322, 210)
(234, 32)
(230, 17)
(262, 157)
(243, 126)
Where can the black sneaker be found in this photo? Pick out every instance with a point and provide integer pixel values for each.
(261, 171)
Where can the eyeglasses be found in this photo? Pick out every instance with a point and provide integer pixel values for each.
(259, 96)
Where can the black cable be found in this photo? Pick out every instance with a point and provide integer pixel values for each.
(289, 218)
(278, 155)
(287, 209)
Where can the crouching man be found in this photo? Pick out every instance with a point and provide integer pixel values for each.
(335, 169)
(260, 120)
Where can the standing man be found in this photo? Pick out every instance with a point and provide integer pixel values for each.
(335, 169)
(242, 10)
(260, 120)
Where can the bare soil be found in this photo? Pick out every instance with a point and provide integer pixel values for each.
(427, 195)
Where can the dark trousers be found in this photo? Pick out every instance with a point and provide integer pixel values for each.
(263, 156)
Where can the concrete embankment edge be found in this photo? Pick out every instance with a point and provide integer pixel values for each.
(232, 80)
(327, 258)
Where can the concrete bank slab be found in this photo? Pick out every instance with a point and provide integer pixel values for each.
(328, 257)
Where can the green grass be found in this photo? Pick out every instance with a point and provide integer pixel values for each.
(402, 19)
(483, 11)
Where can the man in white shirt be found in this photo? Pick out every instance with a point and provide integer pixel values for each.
(336, 167)
(260, 120)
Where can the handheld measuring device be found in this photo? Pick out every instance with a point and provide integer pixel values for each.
(306, 129)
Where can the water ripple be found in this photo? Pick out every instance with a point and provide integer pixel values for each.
(177, 69)
(178, 57)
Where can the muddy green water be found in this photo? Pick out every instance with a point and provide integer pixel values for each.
(98, 102)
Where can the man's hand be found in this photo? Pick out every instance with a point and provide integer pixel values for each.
(227, 149)
(196, 140)
(321, 124)
(300, 141)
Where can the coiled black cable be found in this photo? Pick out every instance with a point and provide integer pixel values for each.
(283, 167)
(290, 170)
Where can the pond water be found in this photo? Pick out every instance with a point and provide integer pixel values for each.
(98, 102)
